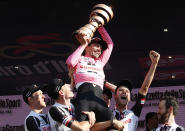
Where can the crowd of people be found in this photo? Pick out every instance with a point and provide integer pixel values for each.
(90, 109)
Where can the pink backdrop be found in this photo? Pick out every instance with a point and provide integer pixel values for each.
(13, 110)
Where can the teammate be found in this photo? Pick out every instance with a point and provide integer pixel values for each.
(89, 76)
(62, 113)
(122, 97)
(167, 111)
(36, 120)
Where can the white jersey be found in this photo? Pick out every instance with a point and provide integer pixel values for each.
(37, 122)
(61, 117)
(173, 127)
(130, 117)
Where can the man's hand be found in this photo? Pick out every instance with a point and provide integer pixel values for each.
(118, 124)
(154, 56)
(91, 116)
(83, 38)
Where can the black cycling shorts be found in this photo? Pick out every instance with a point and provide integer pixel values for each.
(90, 98)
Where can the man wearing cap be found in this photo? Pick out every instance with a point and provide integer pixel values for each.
(122, 97)
(62, 113)
(89, 76)
(36, 120)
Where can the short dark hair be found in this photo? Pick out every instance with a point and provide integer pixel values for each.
(171, 101)
(99, 41)
(125, 82)
(149, 115)
(108, 93)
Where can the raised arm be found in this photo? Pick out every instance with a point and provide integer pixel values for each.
(105, 36)
(110, 86)
(154, 56)
(72, 60)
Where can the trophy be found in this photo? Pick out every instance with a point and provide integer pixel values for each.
(100, 15)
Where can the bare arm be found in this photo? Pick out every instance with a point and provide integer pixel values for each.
(84, 125)
(60, 117)
(110, 86)
(154, 56)
(80, 126)
(100, 126)
(70, 73)
(72, 60)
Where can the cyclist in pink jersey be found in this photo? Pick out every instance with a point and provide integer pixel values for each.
(89, 76)
(89, 68)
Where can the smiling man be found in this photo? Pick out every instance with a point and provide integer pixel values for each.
(167, 110)
(36, 120)
(122, 97)
(89, 75)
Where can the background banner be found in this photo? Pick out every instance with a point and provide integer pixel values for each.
(13, 110)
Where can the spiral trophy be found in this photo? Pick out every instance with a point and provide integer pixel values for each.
(100, 15)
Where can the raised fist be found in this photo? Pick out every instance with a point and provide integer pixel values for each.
(154, 56)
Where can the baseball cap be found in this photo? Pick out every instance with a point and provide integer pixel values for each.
(99, 41)
(126, 83)
(54, 86)
(29, 90)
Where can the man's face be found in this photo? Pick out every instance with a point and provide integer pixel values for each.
(37, 100)
(162, 112)
(68, 93)
(122, 96)
(95, 50)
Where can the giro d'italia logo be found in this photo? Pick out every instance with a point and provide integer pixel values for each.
(26, 47)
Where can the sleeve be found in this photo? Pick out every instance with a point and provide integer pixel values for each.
(137, 108)
(60, 117)
(106, 54)
(180, 128)
(73, 59)
(33, 124)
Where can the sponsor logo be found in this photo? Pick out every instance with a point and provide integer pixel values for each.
(50, 44)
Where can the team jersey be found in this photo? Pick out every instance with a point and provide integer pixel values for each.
(173, 127)
(88, 69)
(130, 117)
(37, 122)
(61, 117)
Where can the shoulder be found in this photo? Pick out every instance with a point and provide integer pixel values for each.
(180, 128)
(32, 120)
(55, 109)
(32, 116)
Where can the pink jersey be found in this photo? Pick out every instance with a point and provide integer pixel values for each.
(88, 69)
